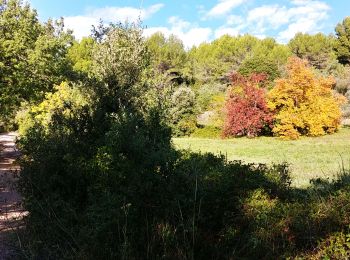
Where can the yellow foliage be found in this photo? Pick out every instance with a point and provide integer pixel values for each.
(304, 103)
(64, 100)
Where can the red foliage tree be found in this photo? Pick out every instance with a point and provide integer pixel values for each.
(246, 109)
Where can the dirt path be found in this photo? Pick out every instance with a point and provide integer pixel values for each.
(11, 212)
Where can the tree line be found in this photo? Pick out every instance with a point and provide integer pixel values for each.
(100, 177)
(190, 84)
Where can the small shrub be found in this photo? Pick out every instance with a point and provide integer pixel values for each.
(207, 132)
(182, 111)
(336, 246)
(346, 111)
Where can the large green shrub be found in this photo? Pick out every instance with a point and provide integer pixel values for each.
(260, 64)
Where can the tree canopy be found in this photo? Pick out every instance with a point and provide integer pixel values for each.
(304, 103)
(80, 54)
(32, 56)
(342, 46)
(317, 49)
(167, 53)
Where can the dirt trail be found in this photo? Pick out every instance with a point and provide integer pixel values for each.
(11, 212)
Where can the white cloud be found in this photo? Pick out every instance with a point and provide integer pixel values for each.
(178, 24)
(226, 30)
(304, 16)
(307, 17)
(196, 36)
(233, 26)
(152, 30)
(223, 7)
(115, 14)
(191, 35)
(234, 20)
(284, 21)
(82, 24)
(302, 25)
(267, 13)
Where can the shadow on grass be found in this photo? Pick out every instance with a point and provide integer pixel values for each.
(188, 206)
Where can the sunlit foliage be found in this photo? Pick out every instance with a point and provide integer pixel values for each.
(304, 103)
(343, 41)
(246, 108)
(32, 56)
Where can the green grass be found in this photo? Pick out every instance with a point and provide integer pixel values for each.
(309, 157)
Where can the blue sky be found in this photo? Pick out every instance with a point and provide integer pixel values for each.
(202, 21)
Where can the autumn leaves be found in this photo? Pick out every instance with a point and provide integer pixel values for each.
(301, 103)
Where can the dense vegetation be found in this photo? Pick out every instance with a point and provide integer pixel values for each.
(309, 109)
(100, 176)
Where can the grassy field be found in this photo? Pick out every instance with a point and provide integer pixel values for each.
(309, 157)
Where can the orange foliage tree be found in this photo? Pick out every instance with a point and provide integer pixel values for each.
(304, 103)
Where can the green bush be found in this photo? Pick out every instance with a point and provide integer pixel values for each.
(337, 246)
(260, 64)
(207, 92)
(182, 111)
(185, 126)
(207, 132)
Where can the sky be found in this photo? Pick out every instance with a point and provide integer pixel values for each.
(198, 21)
